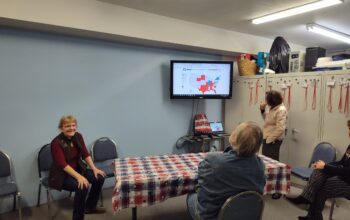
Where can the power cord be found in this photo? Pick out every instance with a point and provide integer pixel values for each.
(183, 140)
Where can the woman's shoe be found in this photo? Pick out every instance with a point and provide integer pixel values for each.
(303, 218)
(276, 195)
(298, 200)
(97, 210)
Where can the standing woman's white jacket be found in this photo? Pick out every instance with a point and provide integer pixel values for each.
(275, 123)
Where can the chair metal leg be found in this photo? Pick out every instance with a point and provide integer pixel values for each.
(14, 202)
(19, 206)
(48, 203)
(332, 209)
(101, 196)
(39, 194)
(134, 213)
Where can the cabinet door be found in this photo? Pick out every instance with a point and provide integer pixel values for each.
(303, 126)
(305, 118)
(335, 120)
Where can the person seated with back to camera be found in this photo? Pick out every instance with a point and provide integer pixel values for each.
(69, 172)
(221, 175)
(326, 181)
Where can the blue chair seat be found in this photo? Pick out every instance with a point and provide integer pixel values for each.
(109, 170)
(8, 189)
(45, 181)
(302, 172)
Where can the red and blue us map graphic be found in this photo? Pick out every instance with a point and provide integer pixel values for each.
(208, 85)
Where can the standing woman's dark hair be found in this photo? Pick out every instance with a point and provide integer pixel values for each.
(273, 98)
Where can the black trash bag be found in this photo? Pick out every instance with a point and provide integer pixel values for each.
(279, 55)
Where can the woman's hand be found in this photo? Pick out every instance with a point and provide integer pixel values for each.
(82, 182)
(262, 105)
(95, 170)
(98, 172)
(319, 165)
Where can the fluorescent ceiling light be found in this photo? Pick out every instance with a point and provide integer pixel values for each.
(297, 10)
(328, 32)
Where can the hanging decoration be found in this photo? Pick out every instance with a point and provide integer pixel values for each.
(289, 86)
(346, 102)
(340, 104)
(330, 85)
(270, 86)
(313, 106)
(256, 91)
(305, 85)
(284, 87)
(250, 87)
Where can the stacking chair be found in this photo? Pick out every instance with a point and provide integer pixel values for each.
(45, 160)
(44, 163)
(323, 151)
(104, 150)
(248, 205)
(9, 187)
(333, 204)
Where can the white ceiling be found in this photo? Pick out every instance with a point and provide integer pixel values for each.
(236, 16)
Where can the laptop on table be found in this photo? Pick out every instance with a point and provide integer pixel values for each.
(217, 128)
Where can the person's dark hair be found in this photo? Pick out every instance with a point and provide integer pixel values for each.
(348, 123)
(273, 98)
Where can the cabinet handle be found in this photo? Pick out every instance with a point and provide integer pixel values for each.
(295, 131)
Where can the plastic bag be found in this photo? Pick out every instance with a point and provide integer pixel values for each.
(279, 55)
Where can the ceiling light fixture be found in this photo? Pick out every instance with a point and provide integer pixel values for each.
(328, 32)
(297, 10)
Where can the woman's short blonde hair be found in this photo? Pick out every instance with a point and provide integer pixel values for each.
(246, 138)
(67, 119)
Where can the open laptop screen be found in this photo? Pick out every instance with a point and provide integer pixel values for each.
(216, 127)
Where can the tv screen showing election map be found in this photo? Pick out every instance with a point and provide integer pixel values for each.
(201, 79)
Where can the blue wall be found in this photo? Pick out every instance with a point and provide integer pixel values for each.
(115, 90)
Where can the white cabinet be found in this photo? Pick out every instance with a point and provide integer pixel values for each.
(306, 95)
(334, 120)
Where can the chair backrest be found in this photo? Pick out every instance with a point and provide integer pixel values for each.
(248, 205)
(5, 164)
(44, 159)
(104, 149)
(323, 151)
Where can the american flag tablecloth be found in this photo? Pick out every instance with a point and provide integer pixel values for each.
(144, 181)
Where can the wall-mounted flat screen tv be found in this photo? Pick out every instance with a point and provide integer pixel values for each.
(200, 79)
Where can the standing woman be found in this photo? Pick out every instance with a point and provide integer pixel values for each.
(69, 172)
(275, 116)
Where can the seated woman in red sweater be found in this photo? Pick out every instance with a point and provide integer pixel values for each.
(69, 172)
